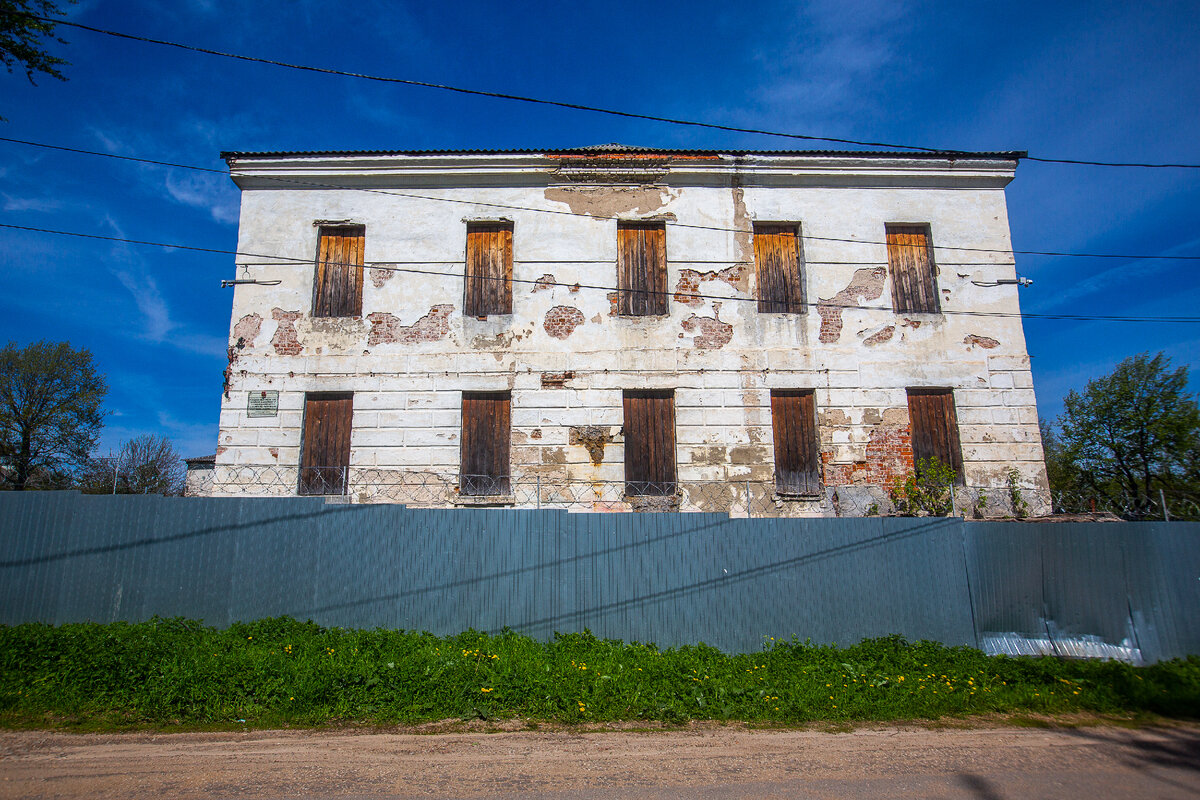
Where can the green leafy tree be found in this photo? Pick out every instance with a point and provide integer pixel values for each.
(21, 36)
(50, 415)
(1131, 432)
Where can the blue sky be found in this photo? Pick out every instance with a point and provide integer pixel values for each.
(1105, 81)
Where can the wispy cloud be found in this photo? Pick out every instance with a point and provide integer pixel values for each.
(836, 54)
(209, 192)
(30, 203)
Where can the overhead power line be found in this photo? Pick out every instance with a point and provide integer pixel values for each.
(509, 207)
(389, 267)
(580, 106)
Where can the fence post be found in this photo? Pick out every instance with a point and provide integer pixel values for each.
(116, 471)
(749, 512)
(539, 492)
(345, 482)
(953, 503)
(1163, 498)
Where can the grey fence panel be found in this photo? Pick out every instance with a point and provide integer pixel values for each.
(33, 525)
(1085, 588)
(1117, 590)
(1004, 567)
(1162, 569)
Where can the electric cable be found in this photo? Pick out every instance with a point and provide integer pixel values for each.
(293, 261)
(579, 106)
(509, 207)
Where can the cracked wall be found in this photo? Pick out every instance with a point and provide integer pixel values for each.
(565, 356)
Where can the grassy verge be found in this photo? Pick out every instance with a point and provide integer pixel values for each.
(274, 672)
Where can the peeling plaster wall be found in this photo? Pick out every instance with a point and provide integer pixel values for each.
(412, 353)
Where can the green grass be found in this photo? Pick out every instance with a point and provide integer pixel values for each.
(169, 673)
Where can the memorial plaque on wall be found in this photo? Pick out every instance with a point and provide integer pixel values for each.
(262, 404)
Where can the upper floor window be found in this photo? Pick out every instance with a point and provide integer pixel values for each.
(934, 427)
(337, 289)
(489, 269)
(914, 277)
(779, 264)
(641, 269)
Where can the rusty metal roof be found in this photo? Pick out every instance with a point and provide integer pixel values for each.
(620, 148)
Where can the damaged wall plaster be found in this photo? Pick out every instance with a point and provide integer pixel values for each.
(866, 285)
(386, 328)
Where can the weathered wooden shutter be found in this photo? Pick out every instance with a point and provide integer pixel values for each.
(934, 427)
(779, 266)
(485, 440)
(641, 269)
(489, 269)
(793, 418)
(649, 442)
(325, 457)
(914, 285)
(337, 291)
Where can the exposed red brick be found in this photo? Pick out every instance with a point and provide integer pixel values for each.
(561, 321)
(547, 281)
(889, 456)
(880, 337)
(247, 329)
(284, 340)
(221, 449)
(386, 328)
(274, 451)
(536, 433)
(381, 276)
(710, 332)
(574, 289)
(986, 342)
(688, 287)
(867, 284)
(555, 380)
(612, 303)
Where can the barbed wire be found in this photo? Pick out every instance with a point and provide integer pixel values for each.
(752, 497)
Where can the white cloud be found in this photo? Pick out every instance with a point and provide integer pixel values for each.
(30, 203)
(838, 53)
(150, 302)
(211, 193)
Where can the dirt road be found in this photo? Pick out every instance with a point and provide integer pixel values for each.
(704, 762)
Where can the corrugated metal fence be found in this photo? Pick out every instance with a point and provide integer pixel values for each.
(1127, 590)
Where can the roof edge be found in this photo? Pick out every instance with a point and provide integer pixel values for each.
(953, 155)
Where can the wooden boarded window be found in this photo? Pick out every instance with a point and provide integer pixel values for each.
(325, 453)
(486, 422)
(793, 418)
(337, 290)
(649, 442)
(910, 260)
(489, 269)
(641, 269)
(779, 264)
(934, 427)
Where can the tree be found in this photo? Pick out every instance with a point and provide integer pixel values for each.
(50, 415)
(1131, 432)
(20, 32)
(146, 464)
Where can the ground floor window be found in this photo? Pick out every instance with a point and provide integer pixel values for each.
(934, 428)
(649, 442)
(486, 426)
(325, 450)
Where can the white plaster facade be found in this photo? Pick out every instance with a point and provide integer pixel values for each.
(718, 353)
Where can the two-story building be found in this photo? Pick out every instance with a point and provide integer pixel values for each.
(612, 328)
